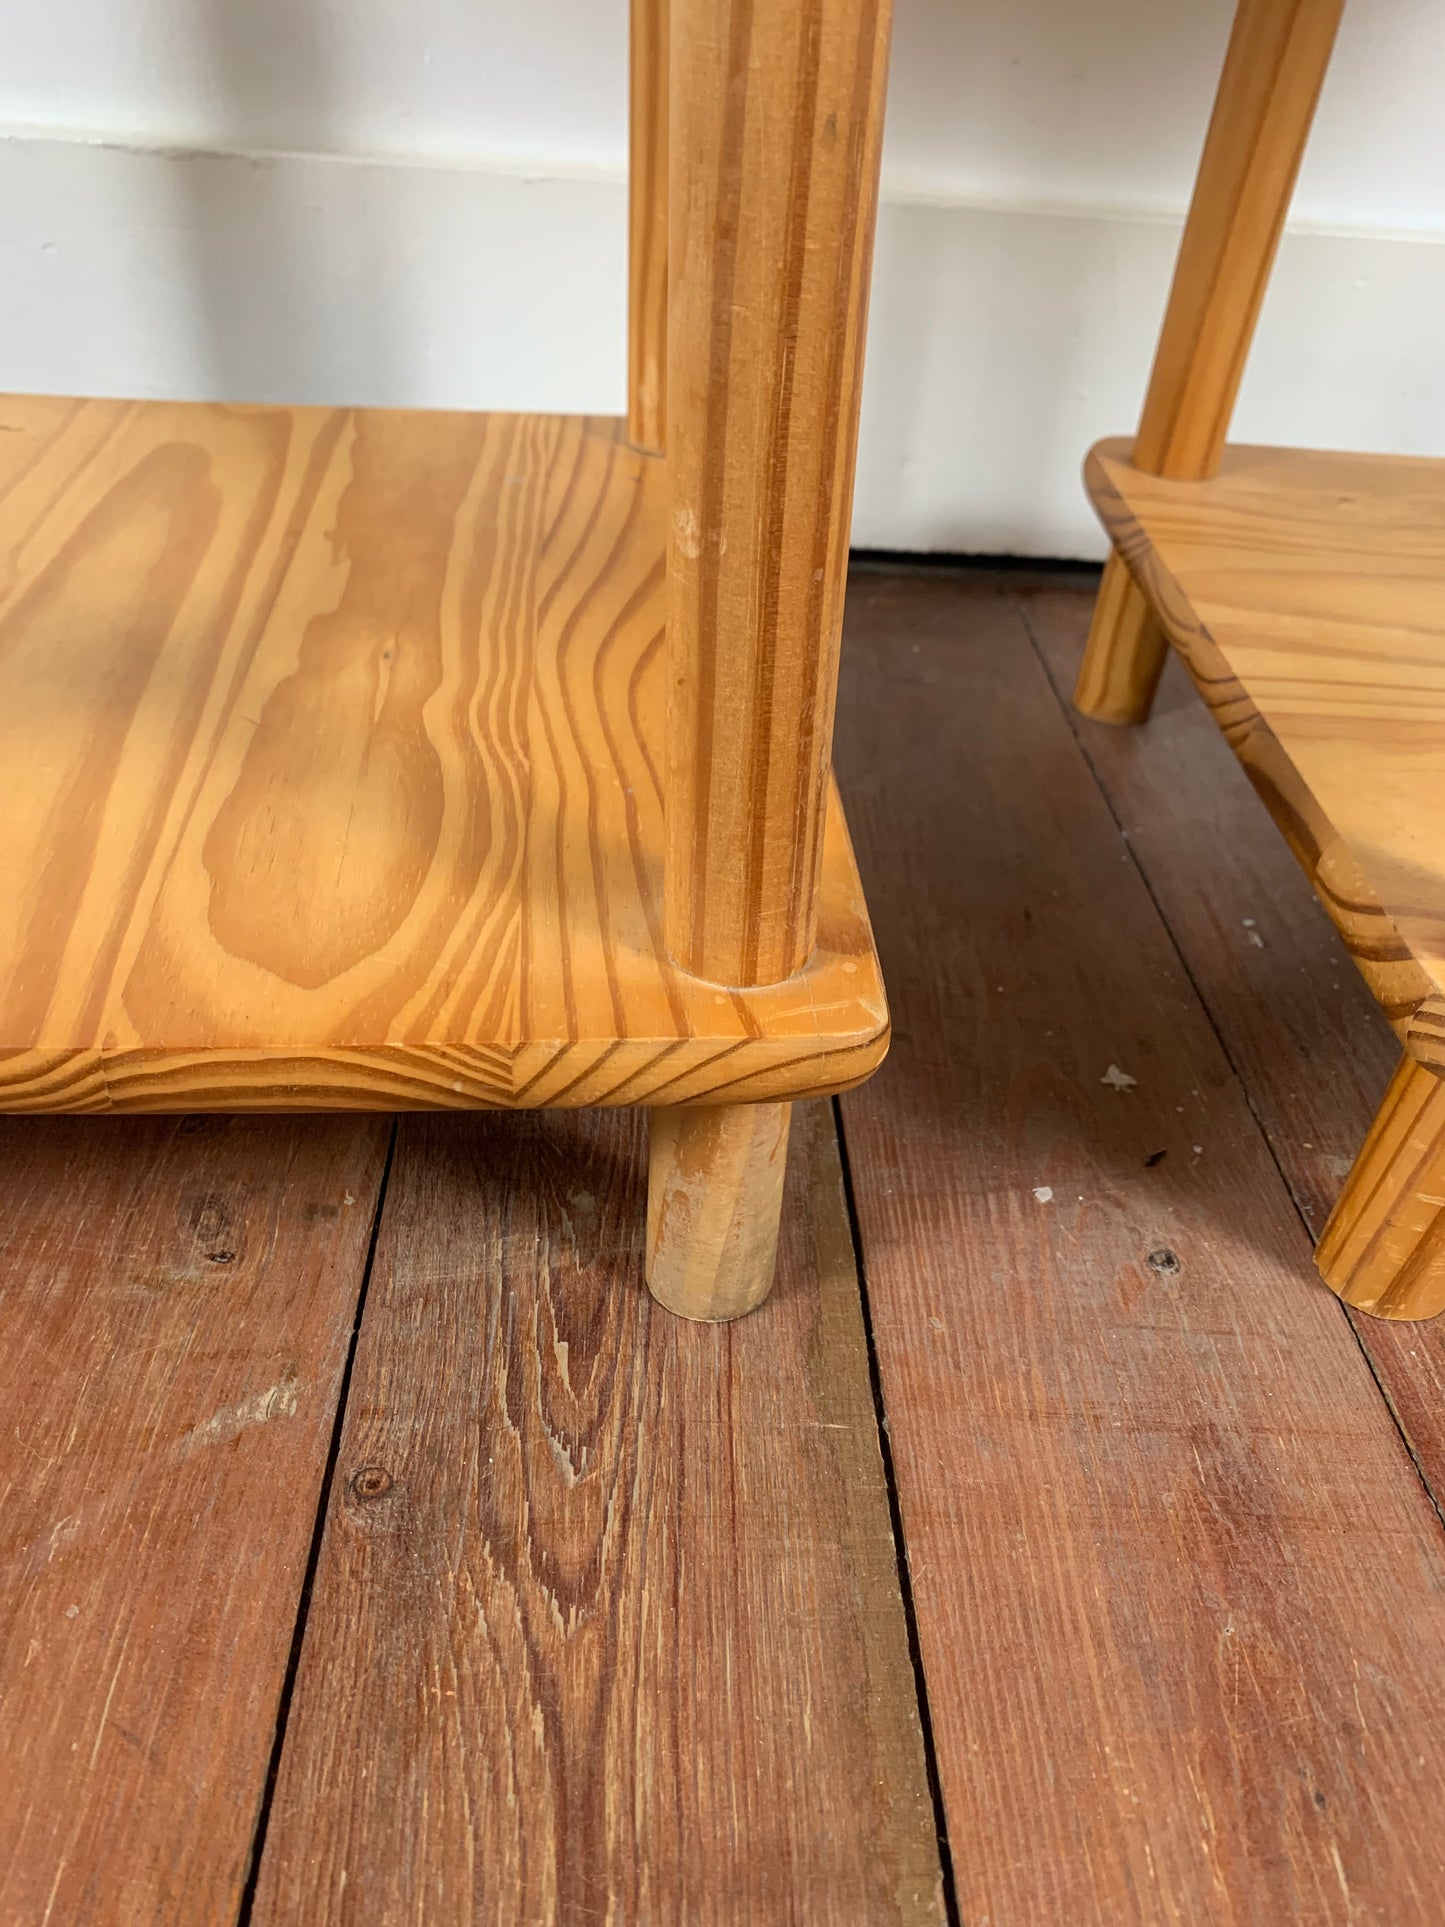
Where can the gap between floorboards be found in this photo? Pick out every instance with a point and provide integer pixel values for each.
(900, 1543)
(318, 1528)
(1064, 699)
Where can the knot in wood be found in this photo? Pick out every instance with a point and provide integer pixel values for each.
(371, 1482)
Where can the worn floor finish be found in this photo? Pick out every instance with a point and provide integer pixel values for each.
(371, 1551)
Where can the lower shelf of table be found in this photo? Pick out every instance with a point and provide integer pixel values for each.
(1306, 594)
(332, 743)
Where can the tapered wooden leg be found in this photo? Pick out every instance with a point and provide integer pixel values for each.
(1383, 1249)
(714, 1195)
(1125, 652)
(1278, 53)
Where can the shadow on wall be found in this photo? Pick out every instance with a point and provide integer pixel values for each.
(283, 312)
(324, 276)
(1037, 156)
(1102, 103)
(1019, 286)
(1052, 102)
(999, 344)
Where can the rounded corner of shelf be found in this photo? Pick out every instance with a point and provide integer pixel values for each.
(1106, 450)
(873, 1051)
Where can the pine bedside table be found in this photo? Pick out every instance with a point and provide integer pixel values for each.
(1306, 595)
(387, 760)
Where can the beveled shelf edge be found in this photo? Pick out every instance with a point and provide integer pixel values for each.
(850, 1040)
(411, 1078)
(1404, 992)
(406, 1078)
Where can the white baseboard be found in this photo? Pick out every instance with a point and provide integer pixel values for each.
(1003, 340)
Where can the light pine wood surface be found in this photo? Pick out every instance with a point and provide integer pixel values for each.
(714, 1192)
(777, 123)
(1383, 1249)
(647, 188)
(1279, 51)
(1306, 594)
(336, 746)
(1126, 651)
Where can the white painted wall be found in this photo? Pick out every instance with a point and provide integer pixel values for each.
(421, 201)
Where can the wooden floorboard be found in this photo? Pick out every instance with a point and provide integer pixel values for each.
(607, 1620)
(606, 1624)
(177, 1298)
(1180, 1595)
(1310, 1044)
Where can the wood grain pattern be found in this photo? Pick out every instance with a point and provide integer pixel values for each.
(1279, 51)
(342, 737)
(1126, 652)
(177, 1300)
(647, 226)
(1143, 1500)
(777, 121)
(1278, 54)
(1304, 592)
(1383, 1250)
(1309, 1042)
(606, 1623)
(1312, 1049)
(714, 1192)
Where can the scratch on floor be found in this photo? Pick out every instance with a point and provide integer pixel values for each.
(277, 1401)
